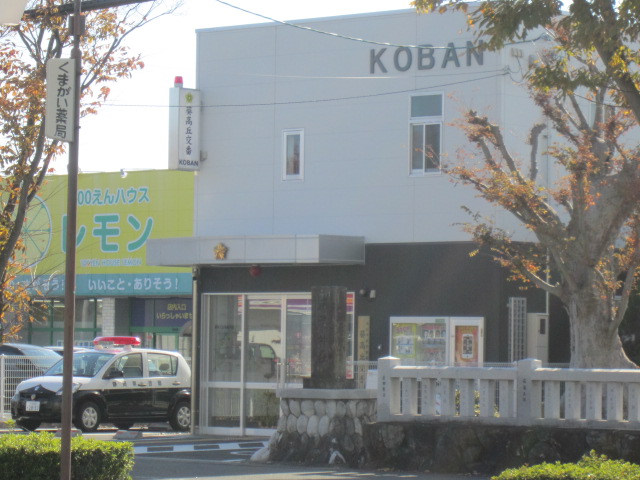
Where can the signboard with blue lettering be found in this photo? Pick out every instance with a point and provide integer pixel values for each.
(116, 218)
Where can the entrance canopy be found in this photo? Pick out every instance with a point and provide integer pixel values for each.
(264, 250)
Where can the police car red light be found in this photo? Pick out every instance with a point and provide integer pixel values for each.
(117, 341)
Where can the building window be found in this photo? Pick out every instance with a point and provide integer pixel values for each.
(48, 325)
(293, 149)
(426, 133)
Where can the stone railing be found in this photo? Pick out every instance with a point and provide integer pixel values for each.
(523, 395)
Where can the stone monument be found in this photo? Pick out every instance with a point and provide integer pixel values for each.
(329, 337)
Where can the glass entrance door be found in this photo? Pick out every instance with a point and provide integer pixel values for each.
(221, 361)
(263, 349)
(243, 344)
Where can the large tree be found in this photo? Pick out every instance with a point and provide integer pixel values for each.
(587, 226)
(25, 152)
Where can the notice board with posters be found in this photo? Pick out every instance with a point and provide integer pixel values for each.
(437, 340)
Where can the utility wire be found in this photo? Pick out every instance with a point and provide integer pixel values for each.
(503, 72)
(356, 97)
(544, 36)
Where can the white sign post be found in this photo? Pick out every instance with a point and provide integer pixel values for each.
(59, 119)
(184, 129)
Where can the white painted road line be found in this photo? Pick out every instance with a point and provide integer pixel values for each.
(203, 447)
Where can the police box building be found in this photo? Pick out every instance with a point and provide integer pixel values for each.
(320, 163)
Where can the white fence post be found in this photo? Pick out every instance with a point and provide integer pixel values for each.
(634, 403)
(506, 398)
(552, 400)
(615, 401)
(528, 401)
(388, 388)
(447, 397)
(467, 398)
(594, 401)
(487, 398)
(409, 396)
(572, 400)
(428, 397)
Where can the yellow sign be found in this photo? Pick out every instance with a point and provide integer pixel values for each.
(116, 217)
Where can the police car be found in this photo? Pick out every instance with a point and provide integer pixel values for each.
(117, 384)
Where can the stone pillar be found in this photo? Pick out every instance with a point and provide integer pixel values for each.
(329, 335)
(388, 389)
(529, 395)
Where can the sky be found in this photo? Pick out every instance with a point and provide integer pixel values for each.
(130, 131)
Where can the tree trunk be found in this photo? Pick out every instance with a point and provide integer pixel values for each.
(595, 342)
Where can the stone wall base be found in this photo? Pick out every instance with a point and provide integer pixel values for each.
(321, 427)
(487, 450)
(451, 448)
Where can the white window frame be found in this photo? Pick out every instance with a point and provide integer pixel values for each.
(425, 121)
(285, 154)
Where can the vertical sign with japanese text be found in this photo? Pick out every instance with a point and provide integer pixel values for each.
(60, 107)
(364, 335)
(363, 341)
(184, 129)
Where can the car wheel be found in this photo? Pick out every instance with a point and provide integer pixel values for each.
(88, 417)
(123, 426)
(180, 419)
(28, 425)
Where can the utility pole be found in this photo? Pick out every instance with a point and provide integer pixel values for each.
(77, 29)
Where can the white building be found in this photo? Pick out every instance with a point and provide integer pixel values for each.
(324, 145)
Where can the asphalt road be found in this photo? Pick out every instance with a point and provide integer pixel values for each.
(166, 455)
(224, 458)
(175, 468)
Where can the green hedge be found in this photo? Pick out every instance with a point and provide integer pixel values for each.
(590, 467)
(37, 457)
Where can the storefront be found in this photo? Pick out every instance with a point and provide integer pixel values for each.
(116, 292)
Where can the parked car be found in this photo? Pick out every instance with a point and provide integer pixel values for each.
(119, 385)
(59, 349)
(24, 361)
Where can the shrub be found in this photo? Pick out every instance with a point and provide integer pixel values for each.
(590, 467)
(37, 457)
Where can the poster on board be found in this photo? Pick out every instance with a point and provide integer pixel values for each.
(433, 343)
(437, 340)
(404, 340)
(466, 349)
